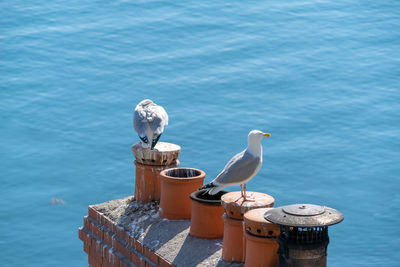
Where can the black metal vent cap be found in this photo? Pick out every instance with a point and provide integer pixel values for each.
(304, 215)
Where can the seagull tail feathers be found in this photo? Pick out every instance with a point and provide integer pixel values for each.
(144, 139)
(212, 188)
(215, 190)
(208, 186)
(155, 140)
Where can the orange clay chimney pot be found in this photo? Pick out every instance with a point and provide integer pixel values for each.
(261, 239)
(176, 186)
(234, 243)
(147, 182)
(206, 221)
(149, 164)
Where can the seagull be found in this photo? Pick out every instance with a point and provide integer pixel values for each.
(149, 120)
(242, 167)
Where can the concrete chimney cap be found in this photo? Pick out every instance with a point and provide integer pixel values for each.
(304, 215)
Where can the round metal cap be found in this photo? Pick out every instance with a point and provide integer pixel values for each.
(303, 210)
(304, 215)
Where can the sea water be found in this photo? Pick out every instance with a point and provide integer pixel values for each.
(321, 76)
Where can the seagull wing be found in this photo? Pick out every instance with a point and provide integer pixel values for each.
(240, 168)
(139, 123)
(160, 119)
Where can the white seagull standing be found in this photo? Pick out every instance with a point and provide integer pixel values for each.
(149, 120)
(242, 167)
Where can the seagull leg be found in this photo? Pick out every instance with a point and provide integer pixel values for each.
(241, 190)
(245, 196)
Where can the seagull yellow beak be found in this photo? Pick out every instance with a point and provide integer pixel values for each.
(267, 134)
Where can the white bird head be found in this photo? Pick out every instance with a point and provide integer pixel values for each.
(256, 136)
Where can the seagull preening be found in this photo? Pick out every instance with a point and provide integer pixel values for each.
(149, 120)
(242, 167)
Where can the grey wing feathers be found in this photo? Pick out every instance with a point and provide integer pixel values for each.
(160, 119)
(139, 125)
(238, 169)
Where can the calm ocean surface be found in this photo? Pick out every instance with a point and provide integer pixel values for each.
(323, 77)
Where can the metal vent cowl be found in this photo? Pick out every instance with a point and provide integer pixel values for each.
(304, 215)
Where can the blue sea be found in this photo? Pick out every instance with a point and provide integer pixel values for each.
(323, 77)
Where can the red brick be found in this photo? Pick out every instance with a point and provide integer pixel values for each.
(163, 262)
(92, 246)
(123, 250)
(107, 222)
(106, 256)
(89, 244)
(119, 231)
(126, 237)
(91, 226)
(138, 246)
(109, 259)
(95, 261)
(113, 241)
(122, 234)
(132, 242)
(92, 260)
(101, 234)
(113, 260)
(117, 246)
(116, 261)
(142, 263)
(135, 259)
(87, 224)
(86, 243)
(102, 260)
(103, 253)
(97, 231)
(81, 234)
(95, 246)
(123, 264)
(93, 213)
(99, 247)
(107, 238)
(86, 246)
(151, 255)
(102, 219)
(98, 255)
